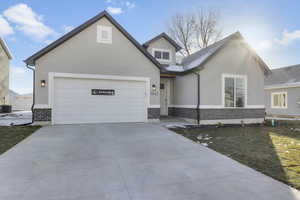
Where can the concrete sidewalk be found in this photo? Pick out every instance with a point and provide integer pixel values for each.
(130, 161)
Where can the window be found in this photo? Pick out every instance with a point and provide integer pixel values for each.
(166, 55)
(279, 100)
(162, 55)
(234, 91)
(157, 54)
(104, 34)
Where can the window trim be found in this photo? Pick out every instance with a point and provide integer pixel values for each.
(101, 28)
(162, 50)
(223, 89)
(279, 93)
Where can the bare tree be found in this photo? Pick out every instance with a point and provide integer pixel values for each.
(182, 30)
(207, 27)
(195, 30)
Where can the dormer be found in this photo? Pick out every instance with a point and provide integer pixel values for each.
(163, 49)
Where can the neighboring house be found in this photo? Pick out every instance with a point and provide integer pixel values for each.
(5, 57)
(282, 90)
(20, 102)
(99, 73)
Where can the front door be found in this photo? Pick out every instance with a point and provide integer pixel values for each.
(164, 97)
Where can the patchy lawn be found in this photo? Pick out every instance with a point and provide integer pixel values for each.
(272, 151)
(10, 136)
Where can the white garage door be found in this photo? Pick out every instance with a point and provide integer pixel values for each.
(111, 101)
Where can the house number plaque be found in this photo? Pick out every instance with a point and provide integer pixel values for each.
(103, 92)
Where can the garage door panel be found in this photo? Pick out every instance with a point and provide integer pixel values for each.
(73, 102)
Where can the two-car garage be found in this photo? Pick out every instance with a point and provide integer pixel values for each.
(97, 99)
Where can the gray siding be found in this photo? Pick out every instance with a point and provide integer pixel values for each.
(232, 59)
(162, 43)
(4, 76)
(185, 90)
(293, 95)
(82, 54)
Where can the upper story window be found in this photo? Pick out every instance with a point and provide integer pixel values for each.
(279, 100)
(234, 91)
(162, 55)
(104, 34)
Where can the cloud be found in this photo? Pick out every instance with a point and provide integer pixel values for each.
(263, 45)
(288, 37)
(129, 4)
(67, 28)
(28, 21)
(5, 28)
(108, 1)
(114, 10)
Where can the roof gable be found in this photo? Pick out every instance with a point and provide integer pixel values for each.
(166, 37)
(31, 60)
(5, 48)
(284, 75)
(199, 58)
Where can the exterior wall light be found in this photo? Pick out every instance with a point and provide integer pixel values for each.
(43, 83)
(153, 87)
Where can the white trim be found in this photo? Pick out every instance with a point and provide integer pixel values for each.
(255, 106)
(282, 86)
(100, 29)
(168, 96)
(279, 93)
(41, 106)
(223, 87)
(182, 106)
(162, 50)
(154, 106)
(233, 121)
(53, 75)
(217, 106)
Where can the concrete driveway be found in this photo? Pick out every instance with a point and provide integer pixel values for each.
(126, 162)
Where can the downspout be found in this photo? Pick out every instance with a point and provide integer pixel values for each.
(198, 98)
(33, 93)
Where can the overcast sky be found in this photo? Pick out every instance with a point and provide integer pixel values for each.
(271, 27)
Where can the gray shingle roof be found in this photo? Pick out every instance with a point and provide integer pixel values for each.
(197, 58)
(163, 35)
(284, 75)
(200, 57)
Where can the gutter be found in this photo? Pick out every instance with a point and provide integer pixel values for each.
(33, 92)
(198, 97)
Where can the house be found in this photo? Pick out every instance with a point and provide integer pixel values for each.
(282, 90)
(20, 102)
(99, 73)
(5, 57)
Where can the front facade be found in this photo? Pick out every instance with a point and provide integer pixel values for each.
(282, 92)
(99, 73)
(226, 86)
(5, 57)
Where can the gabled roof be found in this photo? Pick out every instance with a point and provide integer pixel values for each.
(284, 76)
(165, 36)
(5, 48)
(31, 60)
(199, 58)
